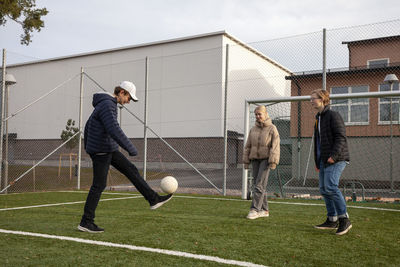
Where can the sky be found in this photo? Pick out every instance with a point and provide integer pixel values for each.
(77, 26)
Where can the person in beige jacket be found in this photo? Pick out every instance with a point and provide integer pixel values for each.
(262, 150)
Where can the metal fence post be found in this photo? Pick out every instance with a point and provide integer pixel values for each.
(146, 84)
(324, 59)
(3, 86)
(391, 143)
(80, 131)
(225, 118)
(246, 132)
(7, 91)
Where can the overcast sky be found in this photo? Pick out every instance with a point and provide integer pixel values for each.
(77, 26)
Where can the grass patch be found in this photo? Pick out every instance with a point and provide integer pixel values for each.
(196, 225)
(47, 178)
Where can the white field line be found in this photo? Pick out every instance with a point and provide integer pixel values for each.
(83, 192)
(191, 197)
(323, 205)
(65, 203)
(288, 203)
(271, 201)
(137, 248)
(373, 208)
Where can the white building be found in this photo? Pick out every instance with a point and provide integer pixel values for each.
(185, 103)
(186, 86)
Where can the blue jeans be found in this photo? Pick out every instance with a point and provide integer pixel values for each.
(329, 176)
(101, 165)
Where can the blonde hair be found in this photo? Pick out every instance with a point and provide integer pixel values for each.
(323, 95)
(261, 108)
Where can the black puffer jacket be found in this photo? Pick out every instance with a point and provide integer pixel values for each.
(102, 131)
(333, 137)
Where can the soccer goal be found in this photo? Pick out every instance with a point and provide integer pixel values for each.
(373, 132)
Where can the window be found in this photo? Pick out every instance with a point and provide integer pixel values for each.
(384, 105)
(354, 111)
(378, 63)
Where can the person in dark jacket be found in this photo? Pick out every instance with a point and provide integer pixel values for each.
(331, 155)
(102, 138)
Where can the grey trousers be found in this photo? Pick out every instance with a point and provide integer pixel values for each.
(260, 175)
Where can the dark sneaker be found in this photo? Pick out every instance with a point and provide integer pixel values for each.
(90, 228)
(344, 226)
(161, 201)
(328, 225)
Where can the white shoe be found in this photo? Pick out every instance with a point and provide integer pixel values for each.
(263, 213)
(253, 214)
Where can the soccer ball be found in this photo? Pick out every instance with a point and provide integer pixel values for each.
(169, 184)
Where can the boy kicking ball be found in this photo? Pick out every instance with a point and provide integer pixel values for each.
(102, 137)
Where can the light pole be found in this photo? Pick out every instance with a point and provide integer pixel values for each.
(10, 80)
(390, 79)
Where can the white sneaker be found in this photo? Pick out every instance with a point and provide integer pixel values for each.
(263, 213)
(253, 214)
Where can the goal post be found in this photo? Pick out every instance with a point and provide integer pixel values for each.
(365, 139)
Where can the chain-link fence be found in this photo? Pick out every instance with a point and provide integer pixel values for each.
(190, 120)
(372, 171)
(31, 161)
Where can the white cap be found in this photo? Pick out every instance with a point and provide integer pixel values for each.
(130, 88)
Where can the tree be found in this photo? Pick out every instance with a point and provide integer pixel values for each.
(69, 131)
(24, 13)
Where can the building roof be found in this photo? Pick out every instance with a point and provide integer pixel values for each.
(341, 71)
(260, 54)
(374, 40)
(224, 33)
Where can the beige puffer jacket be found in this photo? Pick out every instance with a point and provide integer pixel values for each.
(263, 142)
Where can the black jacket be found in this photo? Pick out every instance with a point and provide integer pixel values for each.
(333, 137)
(102, 131)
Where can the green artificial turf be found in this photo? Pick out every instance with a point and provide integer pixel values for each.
(203, 225)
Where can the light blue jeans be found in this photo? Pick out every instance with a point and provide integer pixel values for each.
(329, 176)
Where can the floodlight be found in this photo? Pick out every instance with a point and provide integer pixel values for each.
(390, 78)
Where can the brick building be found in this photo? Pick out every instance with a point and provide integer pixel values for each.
(371, 131)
